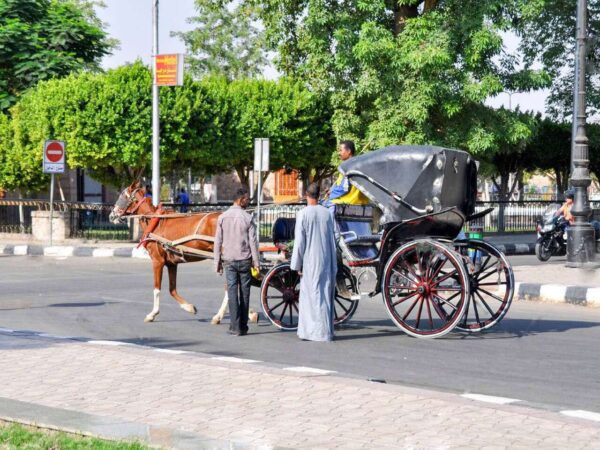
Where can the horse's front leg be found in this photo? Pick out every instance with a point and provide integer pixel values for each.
(158, 271)
(173, 290)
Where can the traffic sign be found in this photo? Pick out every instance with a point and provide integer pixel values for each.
(261, 154)
(54, 156)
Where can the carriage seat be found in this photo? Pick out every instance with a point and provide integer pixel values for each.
(283, 232)
(354, 224)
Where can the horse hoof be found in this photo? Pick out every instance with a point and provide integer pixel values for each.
(254, 317)
(215, 320)
(150, 318)
(189, 308)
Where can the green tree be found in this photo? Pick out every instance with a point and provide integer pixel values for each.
(550, 149)
(399, 71)
(226, 40)
(547, 32)
(43, 39)
(208, 126)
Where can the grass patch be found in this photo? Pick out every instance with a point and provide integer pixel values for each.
(15, 436)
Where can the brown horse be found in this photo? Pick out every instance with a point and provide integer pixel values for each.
(133, 202)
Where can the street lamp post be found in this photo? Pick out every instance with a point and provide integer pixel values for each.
(580, 236)
(155, 111)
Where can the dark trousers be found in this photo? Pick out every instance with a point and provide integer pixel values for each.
(237, 274)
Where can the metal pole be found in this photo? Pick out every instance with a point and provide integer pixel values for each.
(575, 109)
(51, 205)
(260, 168)
(155, 111)
(581, 236)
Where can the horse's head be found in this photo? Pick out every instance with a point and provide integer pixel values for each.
(128, 202)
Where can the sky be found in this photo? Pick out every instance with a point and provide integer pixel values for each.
(130, 21)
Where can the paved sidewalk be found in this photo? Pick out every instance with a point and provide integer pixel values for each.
(186, 400)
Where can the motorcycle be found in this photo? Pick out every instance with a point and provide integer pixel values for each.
(552, 235)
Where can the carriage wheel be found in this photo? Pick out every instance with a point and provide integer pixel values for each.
(280, 294)
(492, 285)
(425, 288)
(344, 306)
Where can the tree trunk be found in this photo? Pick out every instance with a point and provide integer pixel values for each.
(401, 14)
(429, 5)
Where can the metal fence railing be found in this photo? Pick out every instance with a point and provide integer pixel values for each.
(90, 220)
(86, 220)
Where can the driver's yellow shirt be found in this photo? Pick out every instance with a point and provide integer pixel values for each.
(352, 197)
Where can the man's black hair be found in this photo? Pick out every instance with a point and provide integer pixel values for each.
(182, 189)
(148, 187)
(313, 191)
(570, 194)
(240, 193)
(350, 146)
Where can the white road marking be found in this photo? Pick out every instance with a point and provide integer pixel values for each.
(234, 359)
(490, 399)
(108, 343)
(169, 351)
(309, 370)
(6, 330)
(581, 414)
(59, 251)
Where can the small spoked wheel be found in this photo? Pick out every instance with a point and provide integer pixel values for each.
(280, 295)
(425, 288)
(492, 285)
(343, 304)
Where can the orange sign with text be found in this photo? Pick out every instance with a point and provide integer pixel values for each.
(169, 70)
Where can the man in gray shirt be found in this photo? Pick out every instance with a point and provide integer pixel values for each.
(236, 233)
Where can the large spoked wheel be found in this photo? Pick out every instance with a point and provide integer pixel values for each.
(425, 288)
(280, 294)
(492, 285)
(344, 305)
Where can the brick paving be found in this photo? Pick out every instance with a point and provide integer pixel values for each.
(267, 407)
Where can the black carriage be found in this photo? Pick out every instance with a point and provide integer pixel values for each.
(404, 246)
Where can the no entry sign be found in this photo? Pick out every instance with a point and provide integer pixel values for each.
(54, 157)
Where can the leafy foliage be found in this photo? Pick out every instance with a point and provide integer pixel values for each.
(402, 71)
(43, 39)
(225, 41)
(209, 126)
(548, 37)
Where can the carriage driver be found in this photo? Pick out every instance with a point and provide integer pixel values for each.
(342, 192)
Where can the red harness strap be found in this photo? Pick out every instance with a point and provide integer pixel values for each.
(151, 226)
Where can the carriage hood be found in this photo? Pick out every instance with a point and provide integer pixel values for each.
(406, 181)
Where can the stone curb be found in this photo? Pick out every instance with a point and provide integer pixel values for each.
(558, 293)
(516, 249)
(129, 252)
(109, 428)
(68, 251)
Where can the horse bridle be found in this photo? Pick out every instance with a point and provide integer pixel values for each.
(125, 201)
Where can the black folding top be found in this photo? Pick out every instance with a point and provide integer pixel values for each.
(413, 180)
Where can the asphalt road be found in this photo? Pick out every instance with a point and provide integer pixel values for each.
(543, 354)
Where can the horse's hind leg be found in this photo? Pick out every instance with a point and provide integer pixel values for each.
(216, 320)
(158, 270)
(173, 290)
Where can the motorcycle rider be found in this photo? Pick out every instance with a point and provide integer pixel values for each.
(565, 209)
